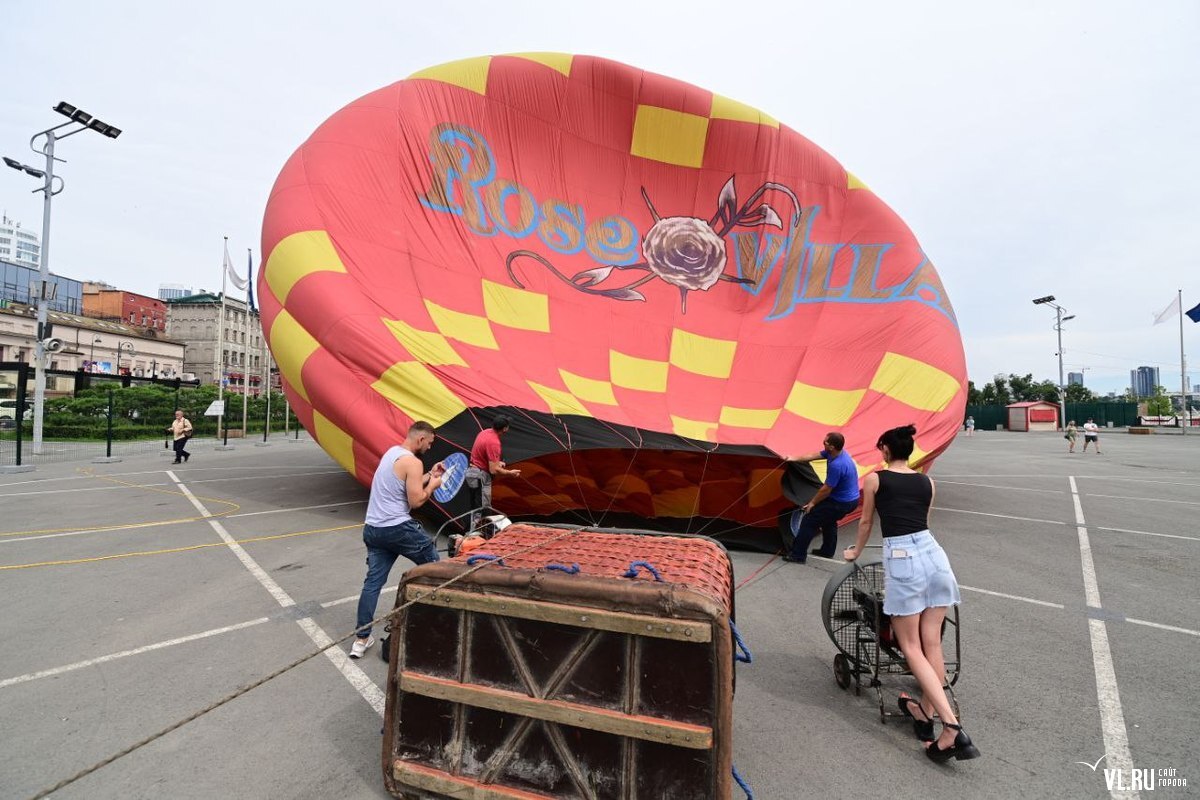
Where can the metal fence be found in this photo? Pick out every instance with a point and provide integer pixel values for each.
(92, 416)
(1119, 414)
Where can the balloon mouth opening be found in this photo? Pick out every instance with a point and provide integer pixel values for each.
(736, 497)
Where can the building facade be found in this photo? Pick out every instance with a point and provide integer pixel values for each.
(233, 346)
(1143, 381)
(18, 245)
(18, 284)
(1074, 379)
(90, 345)
(117, 305)
(174, 291)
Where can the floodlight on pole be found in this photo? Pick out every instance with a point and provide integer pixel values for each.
(83, 121)
(1059, 319)
(17, 165)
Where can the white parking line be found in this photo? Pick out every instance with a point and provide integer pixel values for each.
(1162, 627)
(152, 485)
(155, 471)
(341, 600)
(936, 509)
(49, 673)
(68, 491)
(148, 526)
(1134, 480)
(995, 486)
(1149, 499)
(935, 476)
(1059, 606)
(357, 678)
(1149, 533)
(1057, 522)
(1112, 717)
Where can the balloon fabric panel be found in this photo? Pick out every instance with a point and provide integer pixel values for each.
(614, 257)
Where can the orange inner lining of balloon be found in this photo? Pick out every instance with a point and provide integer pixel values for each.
(647, 483)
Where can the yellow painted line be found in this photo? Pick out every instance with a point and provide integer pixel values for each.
(132, 525)
(174, 549)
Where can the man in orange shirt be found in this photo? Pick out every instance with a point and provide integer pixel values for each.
(486, 464)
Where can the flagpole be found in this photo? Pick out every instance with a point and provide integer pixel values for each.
(245, 379)
(1183, 406)
(220, 357)
(245, 367)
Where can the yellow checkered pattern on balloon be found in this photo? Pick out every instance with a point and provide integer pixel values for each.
(632, 372)
(702, 355)
(659, 134)
(334, 440)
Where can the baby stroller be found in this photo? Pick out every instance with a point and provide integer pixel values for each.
(852, 609)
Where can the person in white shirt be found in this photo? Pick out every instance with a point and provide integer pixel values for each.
(1091, 434)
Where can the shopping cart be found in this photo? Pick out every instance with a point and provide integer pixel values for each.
(852, 608)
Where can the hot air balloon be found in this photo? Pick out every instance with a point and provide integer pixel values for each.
(666, 289)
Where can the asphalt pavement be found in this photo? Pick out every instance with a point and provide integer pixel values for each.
(139, 592)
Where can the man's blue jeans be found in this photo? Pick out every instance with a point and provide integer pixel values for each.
(824, 518)
(384, 546)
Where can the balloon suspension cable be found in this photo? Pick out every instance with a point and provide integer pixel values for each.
(744, 495)
(699, 487)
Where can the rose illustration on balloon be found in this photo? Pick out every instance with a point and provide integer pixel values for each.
(686, 252)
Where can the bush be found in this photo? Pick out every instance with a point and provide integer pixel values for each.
(145, 412)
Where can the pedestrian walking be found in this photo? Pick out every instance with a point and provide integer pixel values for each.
(1072, 435)
(180, 430)
(970, 426)
(1091, 435)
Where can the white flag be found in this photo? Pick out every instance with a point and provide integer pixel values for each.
(238, 281)
(1169, 312)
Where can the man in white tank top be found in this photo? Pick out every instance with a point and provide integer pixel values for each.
(400, 485)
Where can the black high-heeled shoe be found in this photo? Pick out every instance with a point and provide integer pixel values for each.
(923, 728)
(962, 749)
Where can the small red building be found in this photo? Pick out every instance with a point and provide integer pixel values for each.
(1038, 415)
(117, 305)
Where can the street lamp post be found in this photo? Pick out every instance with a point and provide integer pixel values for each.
(85, 121)
(127, 347)
(92, 357)
(1059, 319)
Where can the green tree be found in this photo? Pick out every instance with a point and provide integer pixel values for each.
(974, 396)
(1159, 405)
(1003, 396)
(1044, 390)
(1078, 393)
(1022, 388)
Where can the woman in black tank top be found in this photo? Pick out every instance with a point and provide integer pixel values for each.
(918, 587)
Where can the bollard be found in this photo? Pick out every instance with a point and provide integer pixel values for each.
(18, 422)
(266, 423)
(108, 456)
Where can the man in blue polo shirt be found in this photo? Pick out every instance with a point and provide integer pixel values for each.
(836, 498)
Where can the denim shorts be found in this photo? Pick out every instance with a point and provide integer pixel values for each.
(916, 575)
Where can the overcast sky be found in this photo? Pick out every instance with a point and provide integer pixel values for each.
(1033, 147)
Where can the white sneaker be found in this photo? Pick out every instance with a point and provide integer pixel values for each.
(361, 646)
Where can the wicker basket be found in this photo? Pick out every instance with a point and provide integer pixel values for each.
(558, 671)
